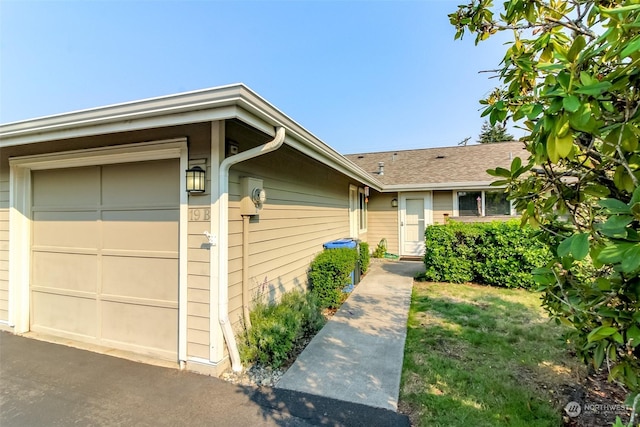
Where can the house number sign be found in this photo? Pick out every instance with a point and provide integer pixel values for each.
(199, 214)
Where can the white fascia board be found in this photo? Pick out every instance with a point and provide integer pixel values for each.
(163, 105)
(213, 104)
(300, 139)
(115, 124)
(476, 185)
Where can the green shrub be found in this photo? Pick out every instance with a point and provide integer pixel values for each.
(364, 257)
(276, 329)
(448, 253)
(381, 249)
(506, 255)
(330, 272)
(497, 253)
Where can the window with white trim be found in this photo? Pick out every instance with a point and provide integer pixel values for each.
(362, 210)
(482, 203)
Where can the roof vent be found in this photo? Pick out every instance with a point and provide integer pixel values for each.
(361, 156)
(380, 168)
(440, 157)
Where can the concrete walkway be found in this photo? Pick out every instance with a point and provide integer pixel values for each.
(357, 357)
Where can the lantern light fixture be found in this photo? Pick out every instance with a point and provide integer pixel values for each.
(394, 203)
(195, 180)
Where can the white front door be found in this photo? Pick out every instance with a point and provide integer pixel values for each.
(415, 215)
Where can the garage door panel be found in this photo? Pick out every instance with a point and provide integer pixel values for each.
(145, 326)
(141, 184)
(53, 312)
(66, 187)
(146, 230)
(77, 272)
(152, 278)
(105, 255)
(65, 229)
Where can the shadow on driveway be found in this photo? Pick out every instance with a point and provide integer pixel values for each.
(49, 384)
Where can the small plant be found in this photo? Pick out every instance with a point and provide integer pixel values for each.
(364, 257)
(381, 249)
(277, 329)
(330, 272)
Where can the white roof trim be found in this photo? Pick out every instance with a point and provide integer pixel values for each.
(477, 185)
(219, 103)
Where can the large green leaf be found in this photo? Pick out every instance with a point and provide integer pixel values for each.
(552, 150)
(614, 252)
(600, 333)
(633, 333)
(571, 103)
(631, 48)
(595, 89)
(580, 246)
(578, 44)
(614, 206)
(631, 260)
(564, 145)
(617, 222)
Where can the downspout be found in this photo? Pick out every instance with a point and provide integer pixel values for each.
(223, 241)
(245, 271)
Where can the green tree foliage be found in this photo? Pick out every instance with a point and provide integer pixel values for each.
(571, 76)
(494, 133)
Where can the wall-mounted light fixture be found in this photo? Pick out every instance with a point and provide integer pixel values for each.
(195, 180)
(394, 203)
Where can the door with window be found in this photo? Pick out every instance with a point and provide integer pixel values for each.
(415, 215)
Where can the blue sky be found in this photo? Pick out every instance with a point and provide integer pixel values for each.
(360, 75)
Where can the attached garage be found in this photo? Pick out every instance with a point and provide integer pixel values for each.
(105, 250)
(100, 258)
(110, 249)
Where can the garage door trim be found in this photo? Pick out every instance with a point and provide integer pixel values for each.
(20, 188)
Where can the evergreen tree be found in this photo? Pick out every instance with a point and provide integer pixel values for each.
(494, 133)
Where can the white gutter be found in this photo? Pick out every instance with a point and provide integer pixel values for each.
(480, 185)
(223, 240)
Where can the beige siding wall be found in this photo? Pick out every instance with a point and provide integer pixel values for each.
(4, 239)
(307, 205)
(383, 221)
(198, 270)
(442, 206)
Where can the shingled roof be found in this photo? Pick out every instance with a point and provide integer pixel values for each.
(460, 164)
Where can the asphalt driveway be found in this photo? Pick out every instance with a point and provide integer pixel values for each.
(49, 384)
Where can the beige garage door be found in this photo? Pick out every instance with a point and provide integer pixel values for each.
(105, 255)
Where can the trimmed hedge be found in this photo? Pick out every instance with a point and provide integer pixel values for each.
(365, 257)
(329, 273)
(496, 253)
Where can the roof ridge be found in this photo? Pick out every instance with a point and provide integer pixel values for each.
(435, 148)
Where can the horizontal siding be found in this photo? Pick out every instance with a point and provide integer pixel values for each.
(382, 222)
(442, 204)
(4, 241)
(198, 255)
(307, 205)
